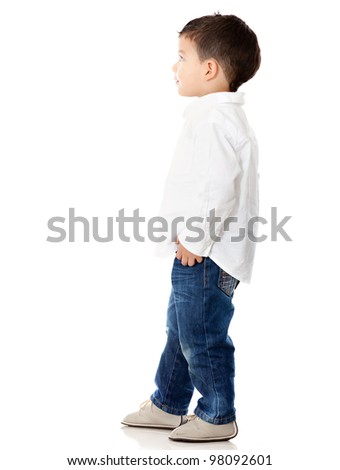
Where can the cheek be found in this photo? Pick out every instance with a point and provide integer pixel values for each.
(182, 73)
(178, 70)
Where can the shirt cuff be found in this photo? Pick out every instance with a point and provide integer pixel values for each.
(196, 245)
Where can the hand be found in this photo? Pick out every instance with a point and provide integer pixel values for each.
(187, 258)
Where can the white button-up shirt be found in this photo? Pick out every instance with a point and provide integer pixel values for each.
(214, 172)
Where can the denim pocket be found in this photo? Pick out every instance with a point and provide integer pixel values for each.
(227, 283)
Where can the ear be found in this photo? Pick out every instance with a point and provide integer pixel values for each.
(211, 68)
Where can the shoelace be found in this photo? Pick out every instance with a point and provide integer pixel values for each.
(147, 402)
(144, 404)
(192, 417)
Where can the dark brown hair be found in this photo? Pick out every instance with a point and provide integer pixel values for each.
(228, 40)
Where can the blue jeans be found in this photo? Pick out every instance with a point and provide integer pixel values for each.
(199, 352)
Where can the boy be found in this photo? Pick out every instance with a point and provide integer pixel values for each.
(213, 178)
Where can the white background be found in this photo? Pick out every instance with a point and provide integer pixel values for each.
(89, 119)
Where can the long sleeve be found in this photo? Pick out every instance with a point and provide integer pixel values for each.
(215, 170)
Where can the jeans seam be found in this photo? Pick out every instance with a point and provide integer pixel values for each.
(170, 375)
(204, 273)
(160, 405)
(206, 342)
(217, 421)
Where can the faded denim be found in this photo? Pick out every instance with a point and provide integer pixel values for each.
(199, 353)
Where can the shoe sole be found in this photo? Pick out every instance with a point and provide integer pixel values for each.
(154, 426)
(207, 439)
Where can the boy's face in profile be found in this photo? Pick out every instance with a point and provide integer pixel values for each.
(189, 70)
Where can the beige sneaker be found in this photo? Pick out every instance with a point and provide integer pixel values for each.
(149, 416)
(197, 430)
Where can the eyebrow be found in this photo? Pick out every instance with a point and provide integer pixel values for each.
(181, 51)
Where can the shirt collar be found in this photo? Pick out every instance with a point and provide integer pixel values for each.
(213, 99)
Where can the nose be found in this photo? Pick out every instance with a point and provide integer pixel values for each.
(174, 67)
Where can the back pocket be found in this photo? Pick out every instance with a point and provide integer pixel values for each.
(227, 283)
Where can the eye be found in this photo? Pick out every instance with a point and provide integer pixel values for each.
(180, 58)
